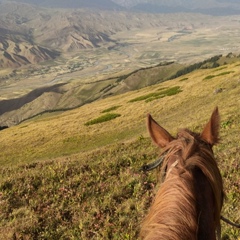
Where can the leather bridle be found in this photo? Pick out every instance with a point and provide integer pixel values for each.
(153, 165)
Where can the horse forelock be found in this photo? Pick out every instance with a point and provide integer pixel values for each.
(194, 152)
(175, 203)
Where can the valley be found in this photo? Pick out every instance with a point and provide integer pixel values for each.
(99, 68)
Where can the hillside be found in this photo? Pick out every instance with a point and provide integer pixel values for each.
(63, 178)
(15, 51)
(60, 97)
(17, 45)
(65, 96)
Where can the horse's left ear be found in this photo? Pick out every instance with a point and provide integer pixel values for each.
(210, 132)
(159, 135)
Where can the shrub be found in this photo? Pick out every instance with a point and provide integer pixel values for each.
(220, 74)
(183, 79)
(209, 77)
(103, 118)
(110, 109)
(156, 95)
(225, 73)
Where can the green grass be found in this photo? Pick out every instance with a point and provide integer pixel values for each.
(156, 95)
(219, 68)
(77, 199)
(110, 109)
(220, 74)
(104, 197)
(183, 79)
(209, 77)
(103, 118)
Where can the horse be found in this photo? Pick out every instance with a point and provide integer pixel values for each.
(188, 204)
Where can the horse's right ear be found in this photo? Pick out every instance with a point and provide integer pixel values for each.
(210, 132)
(159, 135)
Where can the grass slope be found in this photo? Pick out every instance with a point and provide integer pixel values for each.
(61, 179)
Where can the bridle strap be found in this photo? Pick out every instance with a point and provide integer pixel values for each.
(230, 222)
(153, 165)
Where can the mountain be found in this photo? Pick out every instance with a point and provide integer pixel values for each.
(16, 50)
(211, 7)
(31, 34)
(18, 45)
(96, 4)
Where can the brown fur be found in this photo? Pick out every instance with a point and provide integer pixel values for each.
(189, 201)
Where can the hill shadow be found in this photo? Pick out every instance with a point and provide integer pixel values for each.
(16, 103)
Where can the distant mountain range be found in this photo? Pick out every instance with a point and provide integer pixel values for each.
(32, 34)
(212, 7)
(32, 31)
(16, 50)
(97, 4)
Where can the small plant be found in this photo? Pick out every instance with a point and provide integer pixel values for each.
(220, 74)
(110, 109)
(145, 97)
(172, 91)
(183, 79)
(226, 124)
(103, 118)
(156, 95)
(221, 68)
(209, 77)
(225, 73)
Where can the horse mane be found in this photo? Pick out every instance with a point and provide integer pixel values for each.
(176, 212)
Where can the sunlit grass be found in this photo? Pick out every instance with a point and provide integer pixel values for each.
(220, 74)
(156, 95)
(60, 179)
(104, 118)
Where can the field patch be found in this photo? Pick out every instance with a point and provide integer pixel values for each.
(156, 95)
(104, 118)
(217, 75)
(110, 109)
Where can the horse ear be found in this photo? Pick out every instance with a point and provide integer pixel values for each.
(210, 132)
(159, 135)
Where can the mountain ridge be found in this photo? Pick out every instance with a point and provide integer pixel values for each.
(213, 7)
(62, 31)
(63, 97)
(95, 4)
(16, 51)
